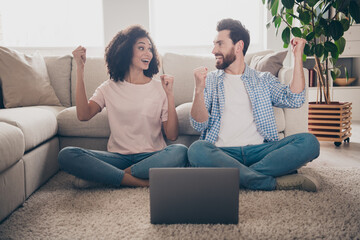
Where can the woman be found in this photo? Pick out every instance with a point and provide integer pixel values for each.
(137, 108)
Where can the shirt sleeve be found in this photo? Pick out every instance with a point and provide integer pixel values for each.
(98, 96)
(164, 110)
(282, 96)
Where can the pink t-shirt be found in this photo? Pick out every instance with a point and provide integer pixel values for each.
(135, 113)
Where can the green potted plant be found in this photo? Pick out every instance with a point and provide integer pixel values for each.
(322, 23)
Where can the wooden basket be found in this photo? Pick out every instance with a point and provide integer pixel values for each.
(330, 122)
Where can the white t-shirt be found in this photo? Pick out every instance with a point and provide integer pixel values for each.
(237, 126)
(135, 113)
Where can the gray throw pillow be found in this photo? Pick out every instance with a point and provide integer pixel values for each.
(24, 80)
(271, 62)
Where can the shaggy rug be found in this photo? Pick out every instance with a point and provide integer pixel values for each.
(57, 211)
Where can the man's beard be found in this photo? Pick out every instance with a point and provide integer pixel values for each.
(226, 60)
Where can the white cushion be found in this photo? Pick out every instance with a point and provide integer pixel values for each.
(59, 70)
(183, 112)
(25, 80)
(182, 68)
(37, 125)
(94, 75)
(71, 126)
(12, 145)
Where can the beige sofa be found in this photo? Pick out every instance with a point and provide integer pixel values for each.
(31, 137)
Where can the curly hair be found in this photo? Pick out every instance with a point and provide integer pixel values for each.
(237, 31)
(119, 53)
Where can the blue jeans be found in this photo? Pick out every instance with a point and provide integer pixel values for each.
(260, 164)
(108, 167)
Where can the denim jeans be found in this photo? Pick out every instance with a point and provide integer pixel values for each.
(108, 167)
(259, 165)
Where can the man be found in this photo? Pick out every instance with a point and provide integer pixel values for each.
(232, 109)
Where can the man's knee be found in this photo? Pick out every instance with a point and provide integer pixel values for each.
(311, 144)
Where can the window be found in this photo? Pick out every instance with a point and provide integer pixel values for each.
(51, 23)
(190, 25)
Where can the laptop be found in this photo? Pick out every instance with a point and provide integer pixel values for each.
(194, 195)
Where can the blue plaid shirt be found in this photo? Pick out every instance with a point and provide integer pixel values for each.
(264, 91)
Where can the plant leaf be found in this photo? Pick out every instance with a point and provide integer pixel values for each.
(312, 50)
(333, 75)
(318, 30)
(274, 7)
(319, 50)
(304, 17)
(354, 11)
(307, 51)
(336, 29)
(310, 36)
(304, 58)
(277, 22)
(340, 44)
(289, 4)
(335, 55)
(286, 35)
(289, 16)
(330, 47)
(345, 23)
(296, 32)
(322, 22)
(311, 3)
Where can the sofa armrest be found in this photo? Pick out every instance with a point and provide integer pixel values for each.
(296, 120)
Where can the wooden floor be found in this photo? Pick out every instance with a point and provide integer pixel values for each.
(346, 155)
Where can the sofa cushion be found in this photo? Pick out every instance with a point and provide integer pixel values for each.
(183, 112)
(59, 70)
(249, 56)
(271, 62)
(37, 124)
(280, 119)
(12, 145)
(1, 99)
(182, 68)
(70, 125)
(25, 80)
(94, 75)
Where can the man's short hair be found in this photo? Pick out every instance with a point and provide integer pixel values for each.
(237, 31)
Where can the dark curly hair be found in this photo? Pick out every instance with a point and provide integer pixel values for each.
(119, 53)
(237, 31)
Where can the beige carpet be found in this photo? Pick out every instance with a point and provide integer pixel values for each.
(57, 211)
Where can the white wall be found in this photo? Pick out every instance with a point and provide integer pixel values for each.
(119, 14)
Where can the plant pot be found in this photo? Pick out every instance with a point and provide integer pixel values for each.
(330, 122)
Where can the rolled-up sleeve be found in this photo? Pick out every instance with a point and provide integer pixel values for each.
(282, 96)
(198, 126)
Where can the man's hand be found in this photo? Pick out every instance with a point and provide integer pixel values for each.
(167, 82)
(298, 45)
(200, 77)
(80, 56)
